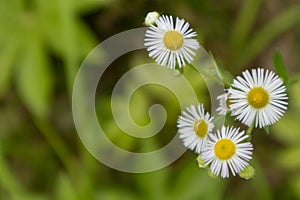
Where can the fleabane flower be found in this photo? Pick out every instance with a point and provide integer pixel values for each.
(171, 43)
(226, 151)
(224, 103)
(193, 127)
(151, 17)
(258, 97)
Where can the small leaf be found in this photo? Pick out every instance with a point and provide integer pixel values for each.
(225, 74)
(293, 80)
(267, 129)
(280, 66)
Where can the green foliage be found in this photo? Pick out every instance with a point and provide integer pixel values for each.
(26, 52)
(64, 188)
(286, 131)
(42, 44)
(34, 77)
(280, 66)
(244, 22)
(266, 34)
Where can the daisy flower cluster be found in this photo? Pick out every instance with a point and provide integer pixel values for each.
(224, 151)
(257, 99)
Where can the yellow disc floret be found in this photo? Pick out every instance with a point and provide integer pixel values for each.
(173, 40)
(258, 97)
(228, 102)
(201, 128)
(224, 149)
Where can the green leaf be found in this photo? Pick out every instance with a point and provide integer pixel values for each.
(267, 129)
(295, 183)
(65, 189)
(245, 21)
(260, 183)
(225, 74)
(116, 193)
(8, 181)
(153, 184)
(293, 80)
(83, 6)
(34, 78)
(280, 66)
(264, 36)
(192, 182)
(7, 57)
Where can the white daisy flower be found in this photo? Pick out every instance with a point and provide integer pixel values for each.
(193, 127)
(260, 96)
(150, 18)
(223, 103)
(171, 44)
(225, 151)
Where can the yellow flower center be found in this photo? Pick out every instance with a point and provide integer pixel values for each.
(224, 149)
(201, 128)
(258, 97)
(228, 102)
(173, 40)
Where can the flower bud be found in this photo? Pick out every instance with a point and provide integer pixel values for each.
(150, 18)
(201, 163)
(247, 173)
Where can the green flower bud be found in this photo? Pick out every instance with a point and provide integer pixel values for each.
(213, 176)
(150, 18)
(247, 173)
(201, 163)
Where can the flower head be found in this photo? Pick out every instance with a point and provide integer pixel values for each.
(225, 151)
(224, 103)
(171, 43)
(193, 127)
(151, 17)
(259, 96)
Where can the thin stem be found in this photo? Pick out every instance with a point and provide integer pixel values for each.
(58, 145)
(206, 74)
(8, 181)
(249, 131)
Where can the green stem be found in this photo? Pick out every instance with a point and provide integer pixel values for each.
(249, 130)
(58, 145)
(206, 74)
(8, 181)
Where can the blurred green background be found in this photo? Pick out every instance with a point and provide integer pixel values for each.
(42, 44)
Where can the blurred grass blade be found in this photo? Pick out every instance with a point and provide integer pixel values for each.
(69, 36)
(64, 188)
(263, 37)
(34, 78)
(260, 183)
(7, 181)
(7, 57)
(90, 5)
(244, 22)
(192, 182)
(280, 66)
